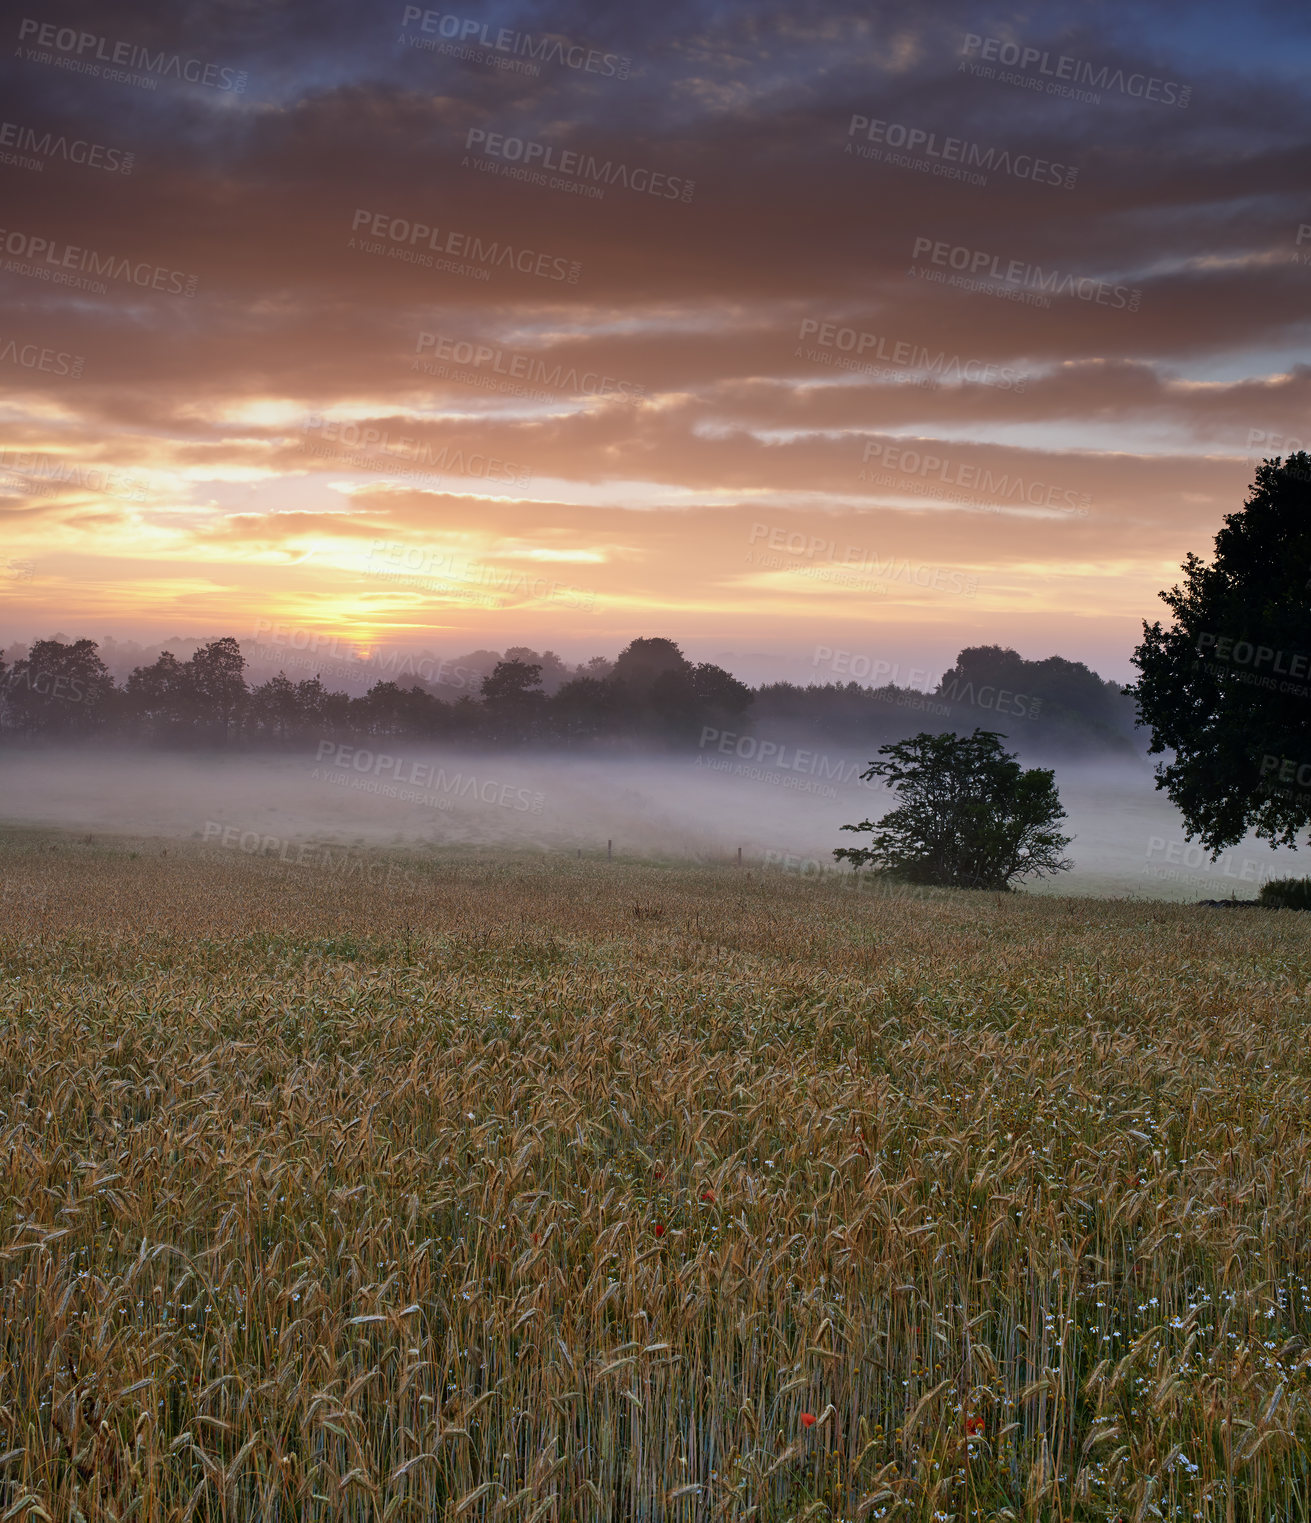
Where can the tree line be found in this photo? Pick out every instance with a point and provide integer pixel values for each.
(62, 690)
(651, 696)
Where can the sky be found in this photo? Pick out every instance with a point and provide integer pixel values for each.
(798, 333)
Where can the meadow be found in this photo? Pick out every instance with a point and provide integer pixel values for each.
(524, 1186)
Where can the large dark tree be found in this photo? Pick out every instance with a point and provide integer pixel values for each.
(662, 698)
(1038, 700)
(57, 689)
(158, 699)
(554, 672)
(273, 709)
(513, 701)
(642, 662)
(389, 709)
(970, 816)
(584, 709)
(1227, 687)
(218, 688)
(721, 698)
(202, 699)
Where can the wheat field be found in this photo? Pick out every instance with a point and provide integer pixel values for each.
(527, 1188)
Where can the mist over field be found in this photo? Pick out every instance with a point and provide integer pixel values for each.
(785, 812)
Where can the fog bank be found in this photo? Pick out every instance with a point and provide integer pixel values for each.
(783, 811)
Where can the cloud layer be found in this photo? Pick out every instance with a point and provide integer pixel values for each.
(768, 325)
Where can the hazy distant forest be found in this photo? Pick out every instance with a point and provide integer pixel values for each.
(650, 697)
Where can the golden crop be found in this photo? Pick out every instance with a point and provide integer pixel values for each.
(553, 1189)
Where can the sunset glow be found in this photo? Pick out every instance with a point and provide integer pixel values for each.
(618, 338)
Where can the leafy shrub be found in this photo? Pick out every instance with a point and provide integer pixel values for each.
(970, 816)
(1286, 894)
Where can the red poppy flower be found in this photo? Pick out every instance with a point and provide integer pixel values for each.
(658, 1175)
(973, 1425)
(660, 1229)
(807, 1419)
(537, 1237)
(708, 1195)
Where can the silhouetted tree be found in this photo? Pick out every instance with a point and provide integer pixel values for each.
(273, 709)
(217, 689)
(389, 709)
(157, 699)
(1227, 687)
(554, 672)
(722, 700)
(58, 690)
(513, 701)
(312, 700)
(585, 709)
(642, 662)
(333, 711)
(660, 696)
(1065, 696)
